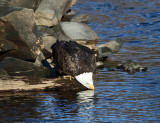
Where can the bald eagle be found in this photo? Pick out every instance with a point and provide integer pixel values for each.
(75, 60)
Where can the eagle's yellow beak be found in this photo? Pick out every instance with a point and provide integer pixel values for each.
(91, 87)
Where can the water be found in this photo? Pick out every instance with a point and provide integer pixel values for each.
(118, 96)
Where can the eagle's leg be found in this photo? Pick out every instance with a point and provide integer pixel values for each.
(68, 76)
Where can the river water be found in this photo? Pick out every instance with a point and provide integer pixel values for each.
(118, 96)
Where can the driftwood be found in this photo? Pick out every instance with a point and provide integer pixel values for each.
(22, 83)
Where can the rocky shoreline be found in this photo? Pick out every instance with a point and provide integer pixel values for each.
(28, 29)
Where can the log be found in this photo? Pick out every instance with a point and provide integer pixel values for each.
(23, 83)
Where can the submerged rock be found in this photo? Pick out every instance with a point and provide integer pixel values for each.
(131, 67)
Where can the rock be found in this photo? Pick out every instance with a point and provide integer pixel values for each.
(3, 72)
(105, 50)
(68, 16)
(81, 18)
(5, 10)
(60, 34)
(131, 67)
(48, 37)
(73, 2)
(42, 61)
(115, 45)
(99, 64)
(50, 12)
(111, 65)
(30, 4)
(17, 33)
(80, 32)
(48, 42)
(17, 67)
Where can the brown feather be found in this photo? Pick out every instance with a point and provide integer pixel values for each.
(72, 58)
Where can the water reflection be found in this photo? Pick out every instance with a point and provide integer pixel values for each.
(85, 96)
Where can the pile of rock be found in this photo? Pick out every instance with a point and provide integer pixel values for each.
(31, 27)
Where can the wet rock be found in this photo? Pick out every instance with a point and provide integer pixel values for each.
(50, 12)
(114, 45)
(16, 35)
(111, 65)
(80, 18)
(17, 67)
(105, 50)
(131, 67)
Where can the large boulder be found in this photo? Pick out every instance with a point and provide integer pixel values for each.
(31, 4)
(80, 33)
(17, 67)
(17, 37)
(50, 12)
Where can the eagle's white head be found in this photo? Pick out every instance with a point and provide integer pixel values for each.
(86, 79)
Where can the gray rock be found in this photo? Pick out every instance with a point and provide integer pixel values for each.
(60, 34)
(5, 10)
(48, 37)
(131, 67)
(115, 45)
(105, 50)
(80, 18)
(17, 67)
(3, 72)
(17, 33)
(80, 33)
(31, 4)
(48, 42)
(68, 16)
(50, 12)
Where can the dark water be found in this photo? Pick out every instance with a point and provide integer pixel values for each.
(118, 96)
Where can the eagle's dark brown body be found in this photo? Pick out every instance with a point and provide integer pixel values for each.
(72, 58)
